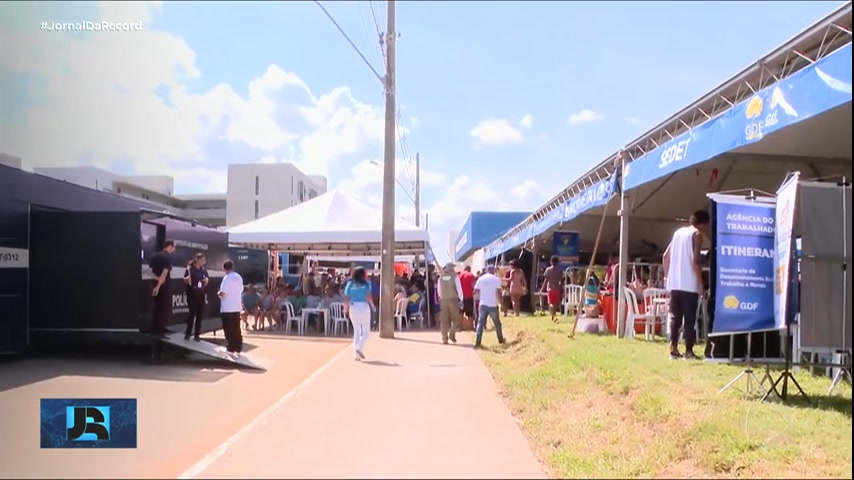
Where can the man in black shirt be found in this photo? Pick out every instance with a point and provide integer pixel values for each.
(196, 278)
(161, 266)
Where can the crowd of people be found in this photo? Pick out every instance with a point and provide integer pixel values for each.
(445, 299)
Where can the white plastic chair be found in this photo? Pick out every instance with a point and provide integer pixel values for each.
(634, 316)
(337, 318)
(289, 317)
(656, 302)
(571, 299)
(400, 313)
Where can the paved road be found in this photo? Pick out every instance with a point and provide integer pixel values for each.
(415, 409)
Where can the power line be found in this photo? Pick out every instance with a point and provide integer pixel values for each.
(379, 33)
(347, 37)
(365, 30)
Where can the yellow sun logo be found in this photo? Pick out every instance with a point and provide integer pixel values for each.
(731, 302)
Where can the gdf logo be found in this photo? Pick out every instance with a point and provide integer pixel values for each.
(731, 302)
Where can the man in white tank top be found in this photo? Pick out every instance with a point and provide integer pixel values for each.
(684, 280)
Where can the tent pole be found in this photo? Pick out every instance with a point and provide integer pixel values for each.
(624, 213)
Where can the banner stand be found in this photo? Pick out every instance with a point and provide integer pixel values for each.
(786, 376)
(740, 223)
(752, 383)
(843, 372)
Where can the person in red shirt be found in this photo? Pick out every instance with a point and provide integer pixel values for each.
(467, 281)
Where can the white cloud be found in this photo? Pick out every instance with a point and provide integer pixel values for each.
(367, 176)
(94, 113)
(527, 121)
(496, 132)
(144, 119)
(466, 194)
(585, 116)
(633, 121)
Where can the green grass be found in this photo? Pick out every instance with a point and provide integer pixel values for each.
(598, 406)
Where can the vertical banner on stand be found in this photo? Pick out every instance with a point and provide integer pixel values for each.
(783, 245)
(744, 266)
(566, 246)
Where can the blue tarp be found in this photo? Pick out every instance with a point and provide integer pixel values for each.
(593, 196)
(805, 94)
(551, 219)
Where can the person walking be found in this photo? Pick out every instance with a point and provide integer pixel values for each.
(467, 281)
(553, 286)
(230, 293)
(450, 303)
(358, 303)
(488, 290)
(518, 286)
(684, 281)
(196, 277)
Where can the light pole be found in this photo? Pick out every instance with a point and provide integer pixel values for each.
(387, 265)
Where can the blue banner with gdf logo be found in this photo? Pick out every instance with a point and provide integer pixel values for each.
(744, 265)
(565, 245)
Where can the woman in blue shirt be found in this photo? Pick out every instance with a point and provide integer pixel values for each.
(358, 302)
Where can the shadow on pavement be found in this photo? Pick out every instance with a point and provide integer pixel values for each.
(298, 338)
(380, 363)
(247, 347)
(128, 362)
(431, 342)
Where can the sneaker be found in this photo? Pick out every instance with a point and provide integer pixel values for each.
(675, 355)
(357, 358)
(186, 338)
(197, 339)
(689, 355)
(360, 354)
(502, 341)
(445, 341)
(453, 340)
(478, 347)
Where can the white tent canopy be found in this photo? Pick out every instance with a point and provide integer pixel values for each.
(359, 258)
(333, 224)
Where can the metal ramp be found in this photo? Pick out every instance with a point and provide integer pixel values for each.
(212, 350)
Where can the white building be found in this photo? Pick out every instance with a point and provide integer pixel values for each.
(10, 161)
(254, 190)
(452, 243)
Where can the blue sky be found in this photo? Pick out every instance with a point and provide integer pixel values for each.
(207, 84)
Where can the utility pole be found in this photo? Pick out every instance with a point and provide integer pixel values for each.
(417, 190)
(417, 201)
(387, 265)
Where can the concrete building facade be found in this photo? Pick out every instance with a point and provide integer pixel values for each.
(253, 191)
(257, 190)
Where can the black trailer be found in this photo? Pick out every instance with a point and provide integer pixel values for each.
(73, 264)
